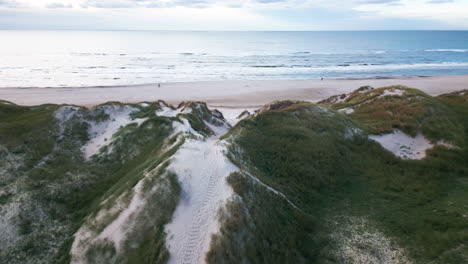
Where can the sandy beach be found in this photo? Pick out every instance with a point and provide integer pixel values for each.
(235, 94)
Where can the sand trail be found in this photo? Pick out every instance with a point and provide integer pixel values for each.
(202, 168)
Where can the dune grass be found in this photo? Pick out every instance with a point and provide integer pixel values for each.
(301, 151)
(410, 112)
(321, 160)
(262, 227)
(22, 127)
(57, 188)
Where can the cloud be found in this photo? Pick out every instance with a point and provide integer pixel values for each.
(9, 4)
(229, 14)
(146, 3)
(270, 1)
(450, 15)
(372, 2)
(59, 5)
(119, 4)
(440, 1)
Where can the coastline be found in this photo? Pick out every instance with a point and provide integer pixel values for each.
(227, 93)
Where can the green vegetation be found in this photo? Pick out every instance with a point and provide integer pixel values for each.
(199, 117)
(145, 243)
(145, 236)
(52, 189)
(261, 227)
(325, 166)
(312, 188)
(410, 112)
(21, 127)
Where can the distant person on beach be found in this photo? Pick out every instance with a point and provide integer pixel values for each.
(159, 85)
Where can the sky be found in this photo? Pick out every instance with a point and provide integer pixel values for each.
(235, 14)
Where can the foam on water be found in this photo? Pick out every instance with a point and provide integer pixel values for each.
(99, 59)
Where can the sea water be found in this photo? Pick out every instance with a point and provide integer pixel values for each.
(101, 58)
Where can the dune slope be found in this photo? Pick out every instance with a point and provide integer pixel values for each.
(374, 176)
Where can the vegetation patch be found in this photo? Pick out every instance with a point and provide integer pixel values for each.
(416, 205)
(409, 110)
(358, 241)
(339, 197)
(52, 189)
(248, 221)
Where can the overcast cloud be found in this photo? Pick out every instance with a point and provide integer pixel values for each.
(234, 14)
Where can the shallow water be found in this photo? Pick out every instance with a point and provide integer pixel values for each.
(93, 58)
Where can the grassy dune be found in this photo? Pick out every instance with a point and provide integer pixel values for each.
(311, 186)
(412, 111)
(49, 190)
(345, 183)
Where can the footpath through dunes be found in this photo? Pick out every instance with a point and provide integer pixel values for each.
(198, 165)
(294, 182)
(202, 168)
(118, 174)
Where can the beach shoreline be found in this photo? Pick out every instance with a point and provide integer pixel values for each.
(225, 93)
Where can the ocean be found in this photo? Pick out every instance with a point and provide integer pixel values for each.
(102, 58)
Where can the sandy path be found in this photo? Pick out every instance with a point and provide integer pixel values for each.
(226, 93)
(201, 167)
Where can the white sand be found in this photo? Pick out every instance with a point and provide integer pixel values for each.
(232, 115)
(202, 168)
(117, 230)
(169, 111)
(226, 93)
(101, 132)
(405, 146)
(392, 92)
(347, 111)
